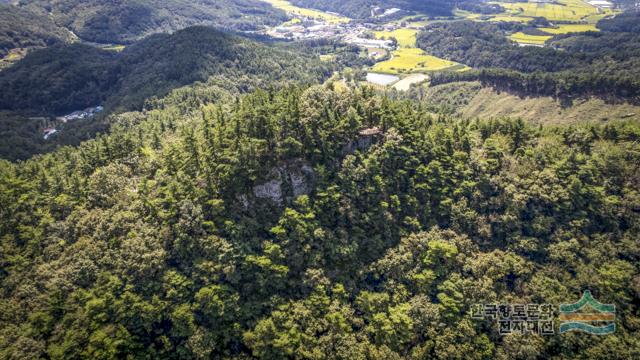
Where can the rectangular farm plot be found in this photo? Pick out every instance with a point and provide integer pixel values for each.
(564, 10)
(410, 60)
(523, 38)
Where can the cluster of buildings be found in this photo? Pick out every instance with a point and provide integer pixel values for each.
(601, 4)
(48, 132)
(378, 12)
(76, 115)
(80, 114)
(351, 33)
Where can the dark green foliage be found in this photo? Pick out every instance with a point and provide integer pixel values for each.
(480, 7)
(124, 22)
(23, 29)
(154, 242)
(163, 62)
(65, 78)
(58, 79)
(625, 22)
(22, 134)
(68, 77)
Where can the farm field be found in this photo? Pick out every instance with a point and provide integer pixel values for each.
(412, 60)
(13, 56)
(523, 38)
(311, 13)
(405, 84)
(116, 48)
(570, 28)
(511, 18)
(564, 10)
(406, 37)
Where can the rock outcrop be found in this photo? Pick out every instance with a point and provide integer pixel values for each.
(286, 182)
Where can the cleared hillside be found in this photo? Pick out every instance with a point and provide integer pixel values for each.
(470, 100)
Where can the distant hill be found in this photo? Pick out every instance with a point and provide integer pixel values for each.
(603, 64)
(361, 9)
(68, 77)
(24, 29)
(119, 21)
(65, 78)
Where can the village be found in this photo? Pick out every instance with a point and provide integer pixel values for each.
(312, 26)
(351, 32)
(76, 115)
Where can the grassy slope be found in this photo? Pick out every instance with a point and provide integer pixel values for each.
(487, 103)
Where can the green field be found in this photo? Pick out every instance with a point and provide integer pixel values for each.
(310, 13)
(410, 60)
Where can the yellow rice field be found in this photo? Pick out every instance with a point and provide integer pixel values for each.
(565, 10)
(529, 39)
(315, 14)
(570, 28)
(406, 37)
(410, 60)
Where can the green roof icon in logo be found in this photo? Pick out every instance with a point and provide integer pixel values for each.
(599, 322)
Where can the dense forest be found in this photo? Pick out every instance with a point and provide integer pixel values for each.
(271, 226)
(238, 199)
(22, 29)
(603, 64)
(64, 78)
(69, 77)
(124, 22)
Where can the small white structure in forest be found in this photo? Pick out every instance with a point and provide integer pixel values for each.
(48, 132)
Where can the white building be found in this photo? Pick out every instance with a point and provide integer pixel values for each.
(603, 4)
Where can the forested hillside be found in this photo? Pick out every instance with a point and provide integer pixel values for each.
(272, 226)
(124, 22)
(604, 64)
(70, 77)
(22, 30)
(65, 78)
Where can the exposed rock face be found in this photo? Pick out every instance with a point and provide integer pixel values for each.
(287, 182)
(271, 190)
(366, 139)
